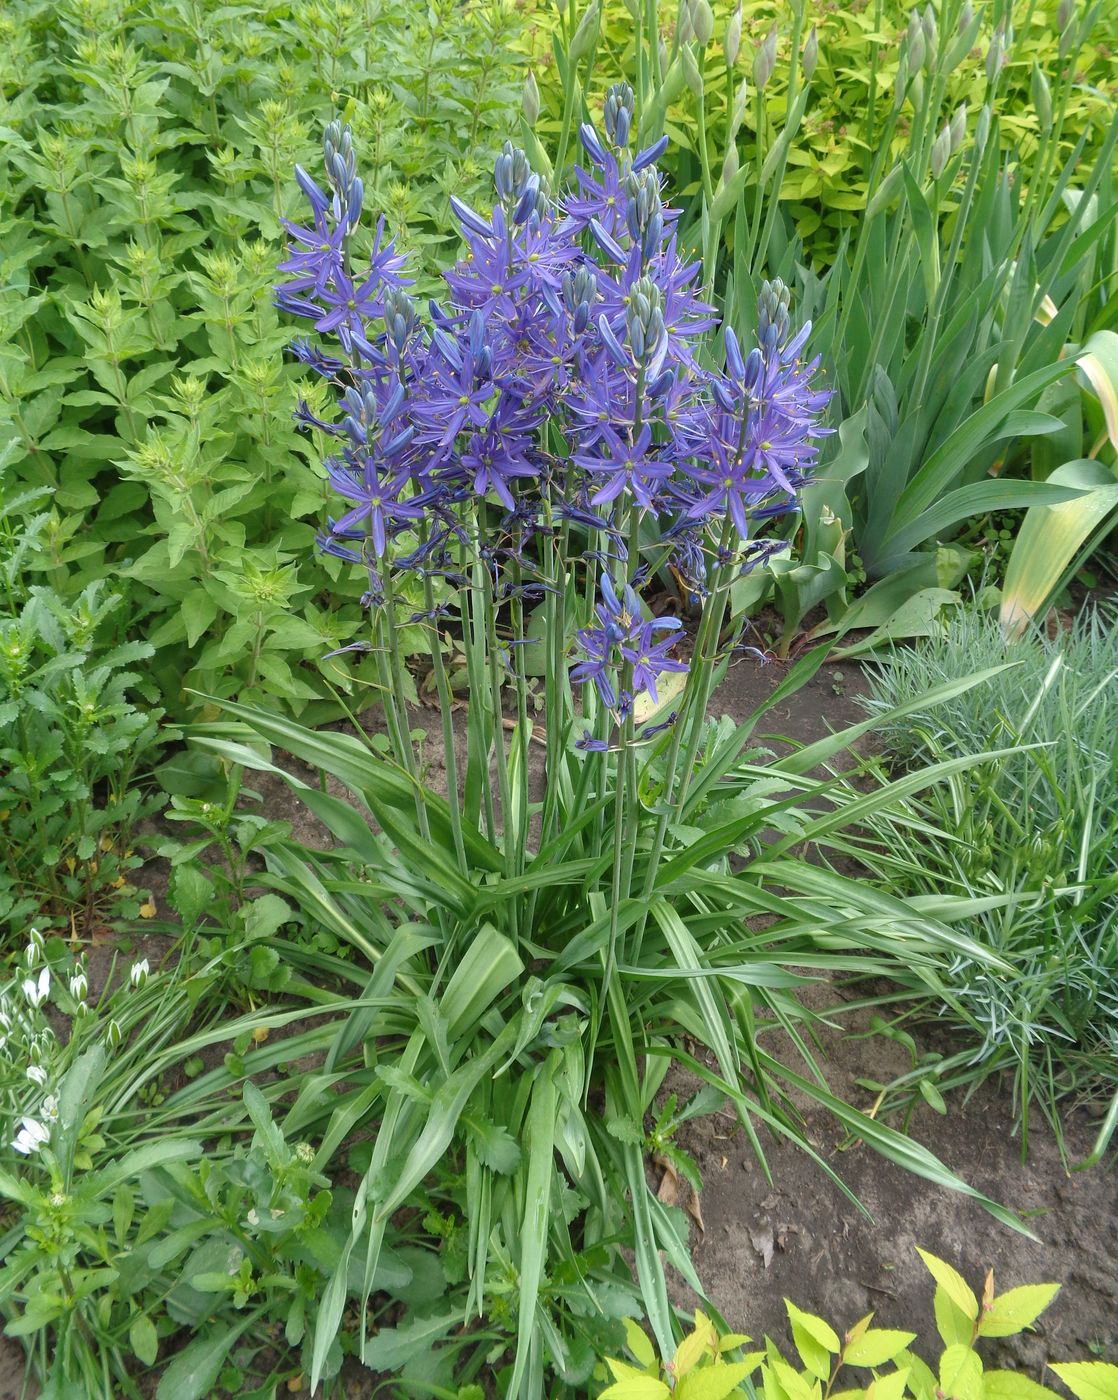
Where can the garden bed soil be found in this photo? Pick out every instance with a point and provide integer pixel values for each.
(799, 1236)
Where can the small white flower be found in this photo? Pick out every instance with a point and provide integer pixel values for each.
(79, 985)
(34, 950)
(30, 1137)
(37, 992)
(50, 1107)
(253, 1218)
(114, 1035)
(37, 1075)
(139, 973)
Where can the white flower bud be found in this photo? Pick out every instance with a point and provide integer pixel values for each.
(691, 72)
(1042, 97)
(37, 992)
(139, 972)
(730, 164)
(37, 1075)
(958, 127)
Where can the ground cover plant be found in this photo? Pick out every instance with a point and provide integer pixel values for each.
(1038, 824)
(143, 181)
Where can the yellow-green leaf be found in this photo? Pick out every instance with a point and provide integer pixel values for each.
(815, 1341)
(637, 1387)
(875, 1347)
(1016, 1309)
(695, 1346)
(1013, 1385)
(960, 1373)
(1099, 362)
(890, 1387)
(1089, 1380)
(638, 1343)
(815, 1327)
(712, 1382)
(952, 1283)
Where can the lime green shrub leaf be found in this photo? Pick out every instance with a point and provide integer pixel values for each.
(1016, 1309)
(960, 1372)
(712, 1382)
(875, 1347)
(952, 1283)
(815, 1340)
(1012, 1385)
(1089, 1380)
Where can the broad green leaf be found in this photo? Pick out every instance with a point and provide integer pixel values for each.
(1013, 1385)
(875, 1347)
(713, 1382)
(144, 1339)
(815, 1340)
(637, 1340)
(393, 1347)
(952, 1283)
(1049, 538)
(1089, 1380)
(1099, 362)
(887, 1387)
(960, 1372)
(1016, 1309)
(192, 1374)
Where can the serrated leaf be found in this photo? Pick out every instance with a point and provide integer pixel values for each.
(878, 1345)
(1013, 1385)
(890, 1387)
(638, 1342)
(712, 1382)
(1089, 1380)
(1013, 1311)
(952, 1283)
(960, 1373)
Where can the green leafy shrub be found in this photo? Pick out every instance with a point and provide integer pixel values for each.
(73, 744)
(708, 1365)
(143, 178)
(1038, 825)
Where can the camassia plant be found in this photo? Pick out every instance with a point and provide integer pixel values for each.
(549, 934)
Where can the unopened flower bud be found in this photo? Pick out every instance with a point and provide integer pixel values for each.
(702, 21)
(941, 149)
(79, 986)
(982, 129)
(995, 55)
(1042, 97)
(1064, 13)
(584, 34)
(114, 1035)
(931, 32)
(730, 164)
(966, 15)
(733, 38)
(900, 84)
(138, 973)
(740, 102)
(691, 72)
(530, 99)
(764, 63)
(917, 46)
(958, 127)
(810, 55)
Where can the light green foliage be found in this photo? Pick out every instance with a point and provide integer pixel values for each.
(825, 182)
(72, 740)
(1035, 828)
(710, 1366)
(145, 167)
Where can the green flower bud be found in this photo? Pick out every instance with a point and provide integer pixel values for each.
(691, 72)
(958, 127)
(530, 100)
(941, 149)
(702, 21)
(730, 164)
(982, 129)
(1042, 97)
(733, 38)
(810, 55)
(1064, 14)
(765, 61)
(584, 34)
